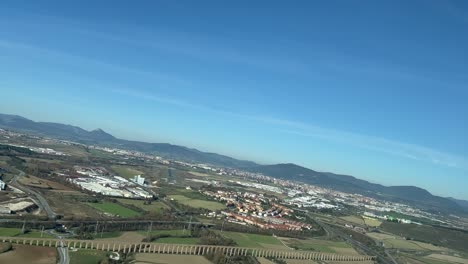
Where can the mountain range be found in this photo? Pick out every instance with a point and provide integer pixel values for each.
(408, 194)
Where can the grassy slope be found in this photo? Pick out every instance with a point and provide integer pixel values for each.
(115, 209)
(16, 232)
(252, 240)
(85, 256)
(196, 203)
(155, 206)
(126, 172)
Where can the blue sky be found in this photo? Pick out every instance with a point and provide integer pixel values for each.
(377, 90)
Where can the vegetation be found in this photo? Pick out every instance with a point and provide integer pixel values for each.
(220, 258)
(354, 219)
(87, 256)
(125, 171)
(5, 246)
(16, 232)
(208, 237)
(197, 203)
(148, 206)
(114, 209)
(439, 236)
(251, 240)
(276, 260)
(317, 245)
(371, 222)
(194, 236)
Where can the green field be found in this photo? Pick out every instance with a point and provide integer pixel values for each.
(108, 234)
(196, 203)
(87, 256)
(253, 240)
(319, 245)
(155, 206)
(175, 236)
(114, 209)
(354, 219)
(171, 232)
(371, 222)
(36, 234)
(16, 232)
(6, 231)
(445, 237)
(126, 172)
(178, 240)
(392, 241)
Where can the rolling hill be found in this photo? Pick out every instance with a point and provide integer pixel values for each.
(289, 171)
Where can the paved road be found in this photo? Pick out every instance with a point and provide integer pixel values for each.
(44, 205)
(63, 253)
(331, 231)
(38, 198)
(361, 246)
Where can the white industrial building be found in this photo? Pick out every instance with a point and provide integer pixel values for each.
(139, 180)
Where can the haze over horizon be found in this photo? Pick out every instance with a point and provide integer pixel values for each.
(373, 90)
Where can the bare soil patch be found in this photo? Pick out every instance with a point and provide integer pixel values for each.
(22, 254)
(36, 182)
(127, 237)
(143, 258)
(448, 258)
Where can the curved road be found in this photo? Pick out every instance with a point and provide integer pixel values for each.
(43, 205)
(63, 253)
(38, 198)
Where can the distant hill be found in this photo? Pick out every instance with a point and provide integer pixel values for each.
(462, 203)
(100, 137)
(289, 171)
(350, 184)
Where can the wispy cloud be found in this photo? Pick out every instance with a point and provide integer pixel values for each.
(211, 48)
(297, 128)
(83, 60)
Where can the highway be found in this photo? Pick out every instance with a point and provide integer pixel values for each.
(37, 197)
(43, 205)
(363, 247)
(63, 253)
(331, 231)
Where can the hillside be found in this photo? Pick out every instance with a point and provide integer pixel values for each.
(408, 194)
(289, 171)
(98, 136)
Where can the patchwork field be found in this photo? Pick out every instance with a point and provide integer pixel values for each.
(392, 241)
(354, 219)
(178, 240)
(176, 236)
(126, 172)
(371, 222)
(445, 237)
(320, 245)
(196, 203)
(199, 174)
(155, 206)
(171, 232)
(265, 261)
(69, 206)
(434, 259)
(87, 256)
(254, 240)
(114, 209)
(22, 254)
(129, 237)
(36, 182)
(16, 232)
(144, 258)
(447, 258)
